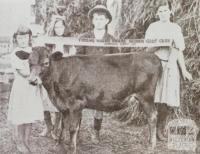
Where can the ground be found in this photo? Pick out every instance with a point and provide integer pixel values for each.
(116, 138)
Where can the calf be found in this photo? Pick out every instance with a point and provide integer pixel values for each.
(103, 83)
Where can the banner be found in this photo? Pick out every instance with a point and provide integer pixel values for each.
(73, 41)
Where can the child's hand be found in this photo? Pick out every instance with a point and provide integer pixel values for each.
(24, 74)
(35, 80)
(39, 81)
(187, 75)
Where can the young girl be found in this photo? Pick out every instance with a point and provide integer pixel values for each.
(56, 29)
(25, 104)
(168, 87)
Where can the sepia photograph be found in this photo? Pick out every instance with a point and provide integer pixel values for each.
(99, 77)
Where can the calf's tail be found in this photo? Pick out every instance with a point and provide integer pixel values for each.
(132, 113)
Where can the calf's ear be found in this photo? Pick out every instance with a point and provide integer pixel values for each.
(57, 55)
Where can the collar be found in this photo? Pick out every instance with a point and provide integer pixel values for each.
(103, 36)
(27, 49)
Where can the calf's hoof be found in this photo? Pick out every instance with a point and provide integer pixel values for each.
(150, 149)
(160, 136)
(72, 149)
(46, 133)
(72, 152)
(22, 148)
(55, 135)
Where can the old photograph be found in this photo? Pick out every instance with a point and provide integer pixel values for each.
(99, 77)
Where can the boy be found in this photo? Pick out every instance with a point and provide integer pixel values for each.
(100, 17)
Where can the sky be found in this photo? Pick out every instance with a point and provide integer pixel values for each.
(12, 14)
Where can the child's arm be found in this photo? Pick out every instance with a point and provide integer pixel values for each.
(23, 73)
(180, 44)
(18, 65)
(176, 55)
(181, 62)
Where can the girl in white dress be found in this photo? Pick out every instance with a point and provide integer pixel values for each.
(168, 86)
(25, 104)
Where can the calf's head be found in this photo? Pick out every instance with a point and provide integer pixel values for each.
(39, 64)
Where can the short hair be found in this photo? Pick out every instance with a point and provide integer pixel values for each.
(100, 12)
(163, 3)
(22, 30)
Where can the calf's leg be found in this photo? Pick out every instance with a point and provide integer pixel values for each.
(49, 125)
(74, 126)
(56, 127)
(62, 131)
(74, 131)
(151, 112)
(162, 116)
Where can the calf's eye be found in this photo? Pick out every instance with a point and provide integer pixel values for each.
(45, 64)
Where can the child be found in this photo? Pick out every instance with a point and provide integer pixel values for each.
(100, 17)
(56, 29)
(168, 87)
(25, 104)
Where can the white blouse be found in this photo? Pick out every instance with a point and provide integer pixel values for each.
(168, 30)
(18, 63)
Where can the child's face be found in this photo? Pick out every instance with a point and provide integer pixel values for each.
(99, 21)
(59, 28)
(164, 13)
(23, 40)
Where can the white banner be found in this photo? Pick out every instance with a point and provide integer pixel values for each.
(73, 41)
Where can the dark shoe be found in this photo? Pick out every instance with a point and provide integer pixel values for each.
(97, 124)
(95, 132)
